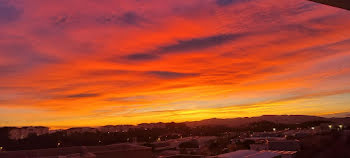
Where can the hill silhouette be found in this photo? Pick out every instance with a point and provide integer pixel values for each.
(282, 119)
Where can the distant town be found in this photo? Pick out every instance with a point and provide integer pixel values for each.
(270, 136)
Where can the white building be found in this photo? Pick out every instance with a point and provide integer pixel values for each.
(117, 128)
(24, 132)
(81, 130)
(151, 125)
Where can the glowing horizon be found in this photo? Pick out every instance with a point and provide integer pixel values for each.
(90, 63)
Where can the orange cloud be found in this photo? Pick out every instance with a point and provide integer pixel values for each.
(111, 62)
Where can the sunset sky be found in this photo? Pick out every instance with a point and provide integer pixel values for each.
(67, 63)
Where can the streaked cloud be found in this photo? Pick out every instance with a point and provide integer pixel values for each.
(83, 95)
(137, 61)
(141, 57)
(170, 75)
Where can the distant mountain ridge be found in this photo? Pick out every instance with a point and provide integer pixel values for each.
(240, 121)
(283, 119)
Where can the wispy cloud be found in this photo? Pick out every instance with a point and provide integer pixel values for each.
(183, 46)
(171, 60)
(171, 75)
(83, 95)
(141, 57)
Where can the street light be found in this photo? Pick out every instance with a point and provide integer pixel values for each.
(330, 126)
(313, 128)
(274, 129)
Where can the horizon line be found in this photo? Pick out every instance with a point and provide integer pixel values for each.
(97, 126)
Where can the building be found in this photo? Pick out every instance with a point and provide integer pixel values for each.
(259, 139)
(249, 154)
(24, 132)
(286, 154)
(301, 133)
(183, 156)
(332, 126)
(174, 143)
(284, 145)
(121, 151)
(259, 147)
(177, 147)
(109, 151)
(258, 154)
(116, 128)
(237, 154)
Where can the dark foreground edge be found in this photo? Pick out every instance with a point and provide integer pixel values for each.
(344, 4)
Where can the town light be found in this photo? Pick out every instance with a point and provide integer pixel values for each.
(330, 126)
(274, 129)
(340, 126)
(312, 128)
